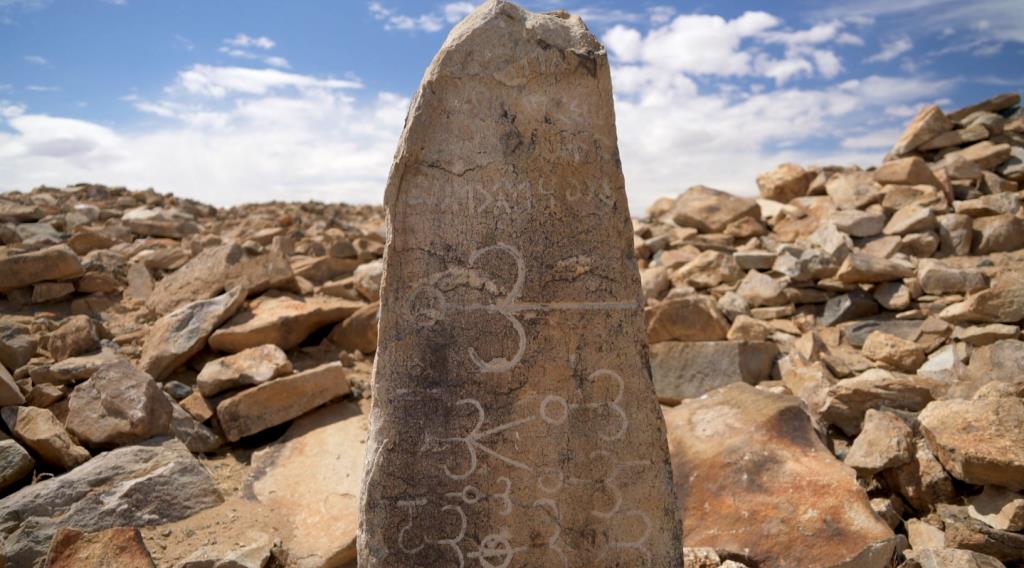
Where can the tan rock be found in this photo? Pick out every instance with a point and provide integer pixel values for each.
(50, 264)
(936, 278)
(179, 335)
(47, 292)
(367, 279)
(746, 328)
(922, 481)
(311, 479)
(709, 269)
(760, 289)
(906, 171)
(40, 430)
(159, 222)
(999, 508)
(929, 123)
(853, 189)
(959, 137)
(15, 463)
(859, 268)
(978, 441)
(117, 406)
(359, 331)
(923, 536)
(689, 369)
(985, 154)
(249, 367)
(10, 394)
(121, 547)
(955, 234)
(693, 318)
(465, 350)
(893, 351)
(998, 233)
(849, 399)
(198, 407)
(995, 104)
(785, 183)
(17, 344)
(858, 223)
(885, 441)
(988, 205)
(276, 402)
(284, 320)
(753, 478)
(710, 210)
(78, 335)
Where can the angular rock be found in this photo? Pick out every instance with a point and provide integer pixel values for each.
(276, 402)
(922, 481)
(848, 307)
(753, 478)
(50, 264)
(179, 335)
(858, 223)
(998, 508)
(893, 351)
(47, 292)
(861, 268)
(910, 219)
(958, 137)
(978, 441)
(981, 335)
(849, 399)
(985, 154)
(853, 189)
(971, 534)
(41, 432)
(15, 463)
(759, 289)
(367, 279)
(197, 438)
(785, 183)
(709, 269)
(73, 369)
(929, 123)
(999, 233)
(284, 320)
(510, 328)
(885, 442)
(359, 331)
(142, 485)
(938, 279)
(159, 222)
(311, 479)
(119, 405)
(995, 305)
(78, 335)
(906, 171)
(995, 104)
(689, 369)
(693, 318)
(949, 558)
(249, 367)
(988, 205)
(218, 269)
(710, 210)
(10, 394)
(17, 345)
(121, 547)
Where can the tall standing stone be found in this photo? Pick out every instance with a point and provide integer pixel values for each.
(514, 421)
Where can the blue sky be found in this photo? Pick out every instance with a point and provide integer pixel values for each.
(234, 101)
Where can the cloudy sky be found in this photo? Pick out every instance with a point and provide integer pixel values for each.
(254, 100)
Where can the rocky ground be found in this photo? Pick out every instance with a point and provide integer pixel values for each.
(840, 361)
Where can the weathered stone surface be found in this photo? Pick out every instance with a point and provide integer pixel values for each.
(121, 547)
(988, 205)
(998, 233)
(938, 279)
(910, 219)
(512, 357)
(248, 367)
(710, 210)
(10, 394)
(906, 171)
(119, 405)
(17, 345)
(922, 481)
(690, 369)
(367, 280)
(929, 123)
(858, 223)
(196, 437)
(978, 441)
(311, 479)
(1001, 361)
(995, 104)
(999, 508)
(54, 263)
(72, 369)
(693, 318)
(760, 289)
(896, 352)
(949, 558)
(221, 268)
(885, 441)
(710, 268)
(179, 335)
(284, 320)
(78, 335)
(995, 305)
(785, 183)
(958, 137)
(985, 154)
(964, 532)
(160, 222)
(849, 399)
(853, 189)
(359, 331)
(158, 480)
(42, 433)
(15, 463)
(848, 307)
(753, 478)
(859, 268)
(278, 401)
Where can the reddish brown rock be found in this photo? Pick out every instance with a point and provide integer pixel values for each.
(359, 331)
(40, 431)
(78, 335)
(284, 320)
(121, 547)
(694, 318)
(249, 367)
(54, 263)
(117, 406)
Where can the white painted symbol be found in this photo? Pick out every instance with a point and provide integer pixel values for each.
(473, 442)
(454, 542)
(495, 551)
(412, 505)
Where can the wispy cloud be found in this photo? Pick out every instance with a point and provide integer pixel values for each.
(36, 59)
(243, 40)
(42, 88)
(238, 47)
(183, 42)
(434, 21)
(891, 50)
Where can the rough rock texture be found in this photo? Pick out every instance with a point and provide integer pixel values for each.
(15, 463)
(690, 369)
(885, 441)
(179, 335)
(284, 320)
(311, 478)
(117, 406)
(40, 431)
(754, 479)
(512, 362)
(249, 367)
(121, 547)
(275, 402)
(978, 441)
(54, 263)
(147, 484)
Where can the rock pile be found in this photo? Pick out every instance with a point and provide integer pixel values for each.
(840, 363)
(843, 355)
(139, 332)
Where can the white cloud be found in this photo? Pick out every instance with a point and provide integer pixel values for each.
(226, 136)
(455, 11)
(1005, 17)
(394, 20)
(876, 140)
(243, 40)
(891, 50)
(661, 14)
(42, 88)
(36, 59)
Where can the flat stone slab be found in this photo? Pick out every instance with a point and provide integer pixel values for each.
(514, 422)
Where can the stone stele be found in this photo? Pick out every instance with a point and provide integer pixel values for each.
(514, 422)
